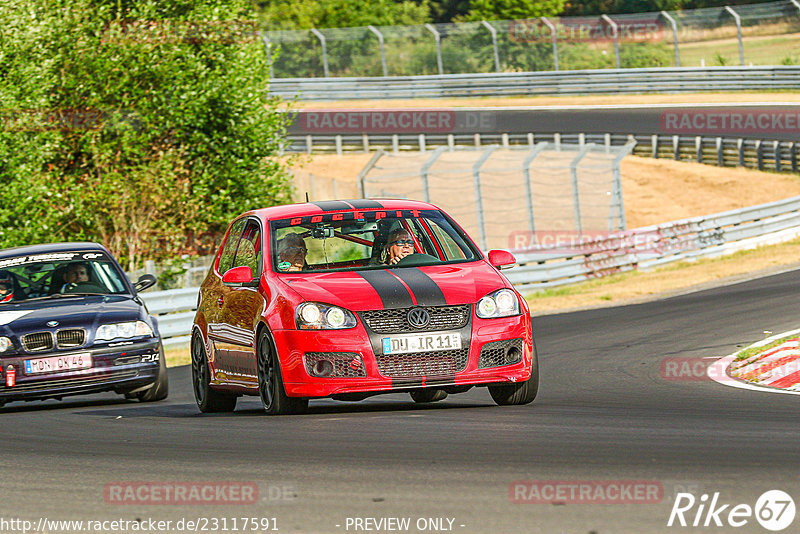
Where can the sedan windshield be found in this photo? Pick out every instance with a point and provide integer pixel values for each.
(59, 274)
(368, 240)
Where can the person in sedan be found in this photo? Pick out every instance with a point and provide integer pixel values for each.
(398, 246)
(292, 253)
(6, 287)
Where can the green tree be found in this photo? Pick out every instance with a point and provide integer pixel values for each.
(513, 9)
(133, 123)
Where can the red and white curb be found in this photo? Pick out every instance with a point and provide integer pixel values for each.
(776, 370)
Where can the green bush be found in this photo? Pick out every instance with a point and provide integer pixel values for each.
(133, 123)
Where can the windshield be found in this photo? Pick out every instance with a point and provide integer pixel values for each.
(60, 274)
(360, 239)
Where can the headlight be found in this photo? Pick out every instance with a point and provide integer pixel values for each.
(5, 344)
(316, 316)
(502, 303)
(123, 330)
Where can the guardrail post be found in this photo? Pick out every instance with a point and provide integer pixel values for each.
(776, 146)
(676, 147)
(740, 147)
(526, 172)
(494, 44)
(423, 171)
(365, 142)
(438, 38)
(309, 144)
(554, 38)
(581, 139)
(607, 142)
(698, 147)
(738, 20)
(324, 50)
(615, 29)
(504, 138)
(268, 47)
(338, 145)
(451, 142)
(530, 140)
(476, 175)
(654, 145)
(374, 30)
(422, 142)
(395, 143)
(793, 154)
(720, 153)
(576, 200)
(362, 176)
(759, 156)
(557, 141)
(674, 36)
(616, 193)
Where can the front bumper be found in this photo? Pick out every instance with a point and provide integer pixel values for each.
(121, 368)
(292, 345)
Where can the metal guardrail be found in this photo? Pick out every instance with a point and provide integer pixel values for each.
(653, 246)
(174, 311)
(761, 154)
(643, 248)
(576, 82)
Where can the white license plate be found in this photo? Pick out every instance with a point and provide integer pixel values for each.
(427, 342)
(58, 363)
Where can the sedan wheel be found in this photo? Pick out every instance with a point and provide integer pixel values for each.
(519, 393)
(208, 400)
(270, 383)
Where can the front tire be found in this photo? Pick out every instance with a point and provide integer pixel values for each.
(270, 382)
(428, 395)
(208, 399)
(160, 388)
(521, 392)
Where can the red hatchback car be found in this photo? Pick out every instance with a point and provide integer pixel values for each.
(348, 299)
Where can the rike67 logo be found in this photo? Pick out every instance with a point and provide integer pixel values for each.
(774, 510)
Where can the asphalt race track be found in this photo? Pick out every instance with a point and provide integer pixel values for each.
(604, 413)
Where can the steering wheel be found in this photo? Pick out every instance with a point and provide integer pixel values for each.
(417, 259)
(84, 287)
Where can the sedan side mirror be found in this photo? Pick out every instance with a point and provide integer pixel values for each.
(502, 259)
(144, 281)
(239, 277)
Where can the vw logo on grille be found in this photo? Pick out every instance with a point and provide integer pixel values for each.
(418, 318)
(52, 324)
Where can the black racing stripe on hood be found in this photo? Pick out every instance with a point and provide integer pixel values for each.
(363, 204)
(332, 205)
(392, 292)
(424, 288)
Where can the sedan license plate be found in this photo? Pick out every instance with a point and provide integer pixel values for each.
(58, 363)
(427, 342)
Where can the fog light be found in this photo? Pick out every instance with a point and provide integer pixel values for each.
(512, 355)
(323, 368)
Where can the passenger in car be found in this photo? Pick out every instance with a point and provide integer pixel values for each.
(292, 253)
(75, 274)
(6, 287)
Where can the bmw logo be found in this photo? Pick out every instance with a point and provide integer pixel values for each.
(52, 324)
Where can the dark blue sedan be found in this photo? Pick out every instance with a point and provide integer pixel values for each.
(71, 323)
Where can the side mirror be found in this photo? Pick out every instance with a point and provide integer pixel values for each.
(239, 277)
(144, 281)
(502, 259)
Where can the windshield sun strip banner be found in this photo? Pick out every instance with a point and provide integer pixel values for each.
(356, 215)
(52, 257)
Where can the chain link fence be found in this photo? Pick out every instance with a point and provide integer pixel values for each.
(506, 196)
(758, 34)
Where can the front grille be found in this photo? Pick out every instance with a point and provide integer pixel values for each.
(435, 363)
(67, 339)
(343, 364)
(394, 320)
(38, 341)
(494, 354)
(42, 385)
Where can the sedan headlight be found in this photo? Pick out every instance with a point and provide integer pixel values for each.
(316, 316)
(5, 344)
(501, 303)
(123, 331)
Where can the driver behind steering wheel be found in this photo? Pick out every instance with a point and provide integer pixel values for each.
(75, 274)
(399, 245)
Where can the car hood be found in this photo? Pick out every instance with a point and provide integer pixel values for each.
(433, 285)
(70, 312)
